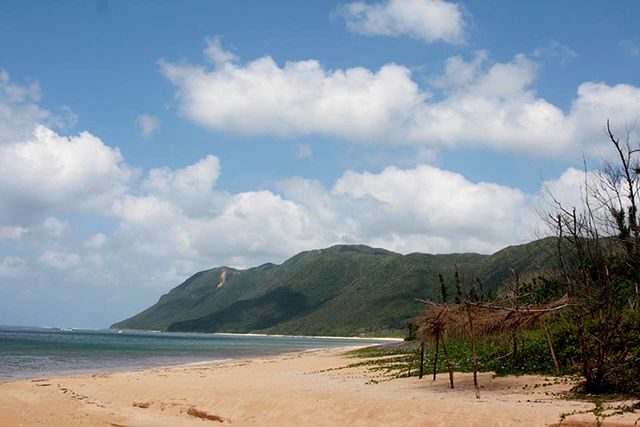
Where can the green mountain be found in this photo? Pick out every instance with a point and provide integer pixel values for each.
(341, 290)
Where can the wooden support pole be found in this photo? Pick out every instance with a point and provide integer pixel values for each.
(514, 353)
(474, 356)
(421, 360)
(435, 359)
(475, 366)
(446, 360)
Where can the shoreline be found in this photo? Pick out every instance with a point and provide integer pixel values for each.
(328, 337)
(134, 369)
(116, 370)
(251, 334)
(208, 349)
(312, 387)
(155, 331)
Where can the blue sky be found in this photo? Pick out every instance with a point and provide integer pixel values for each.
(143, 141)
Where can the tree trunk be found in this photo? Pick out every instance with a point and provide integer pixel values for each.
(556, 367)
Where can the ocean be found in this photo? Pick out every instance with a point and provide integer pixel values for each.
(41, 352)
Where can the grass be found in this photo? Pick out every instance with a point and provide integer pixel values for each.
(601, 410)
(494, 355)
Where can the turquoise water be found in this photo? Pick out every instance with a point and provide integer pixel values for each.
(39, 352)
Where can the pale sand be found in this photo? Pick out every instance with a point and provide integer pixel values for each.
(298, 389)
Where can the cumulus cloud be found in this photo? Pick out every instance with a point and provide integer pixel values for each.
(216, 54)
(10, 232)
(424, 209)
(569, 188)
(54, 227)
(437, 203)
(96, 241)
(148, 124)
(574, 188)
(60, 260)
(474, 102)
(12, 266)
(297, 99)
(428, 20)
(20, 111)
(181, 215)
(419, 209)
(50, 227)
(190, 187)
(49, 173)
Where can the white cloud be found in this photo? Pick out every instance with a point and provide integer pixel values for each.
(428, 20)
(427, 200)
(20, 112)
(190, 187)
(568, 189)
(556, 51)
(49, 173)
(304, 151)
(60, 260)
(145, 210)
(420, 209)
(48, 228)
(12, 266)
(597, 102)
(10, 232)
(175, 272)
(474, 102)
(300, 98)
(96, 241)
(54, 227)
(424, 209)
(216, 54)
(589, 193)
(148, 124)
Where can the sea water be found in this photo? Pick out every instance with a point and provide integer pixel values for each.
(38, 352)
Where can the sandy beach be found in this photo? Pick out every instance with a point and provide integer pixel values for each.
(296, 389)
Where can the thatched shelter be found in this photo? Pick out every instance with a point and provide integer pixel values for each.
(473, 319)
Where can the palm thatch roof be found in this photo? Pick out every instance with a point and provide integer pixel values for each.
(454, 319)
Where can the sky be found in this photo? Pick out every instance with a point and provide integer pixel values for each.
(141, 142)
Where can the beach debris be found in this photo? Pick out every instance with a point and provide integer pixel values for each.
(204, 415)
(143, 405)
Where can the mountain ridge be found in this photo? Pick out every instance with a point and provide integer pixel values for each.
(339, 290)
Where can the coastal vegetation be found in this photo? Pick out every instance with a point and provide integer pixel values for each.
(587, 310)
